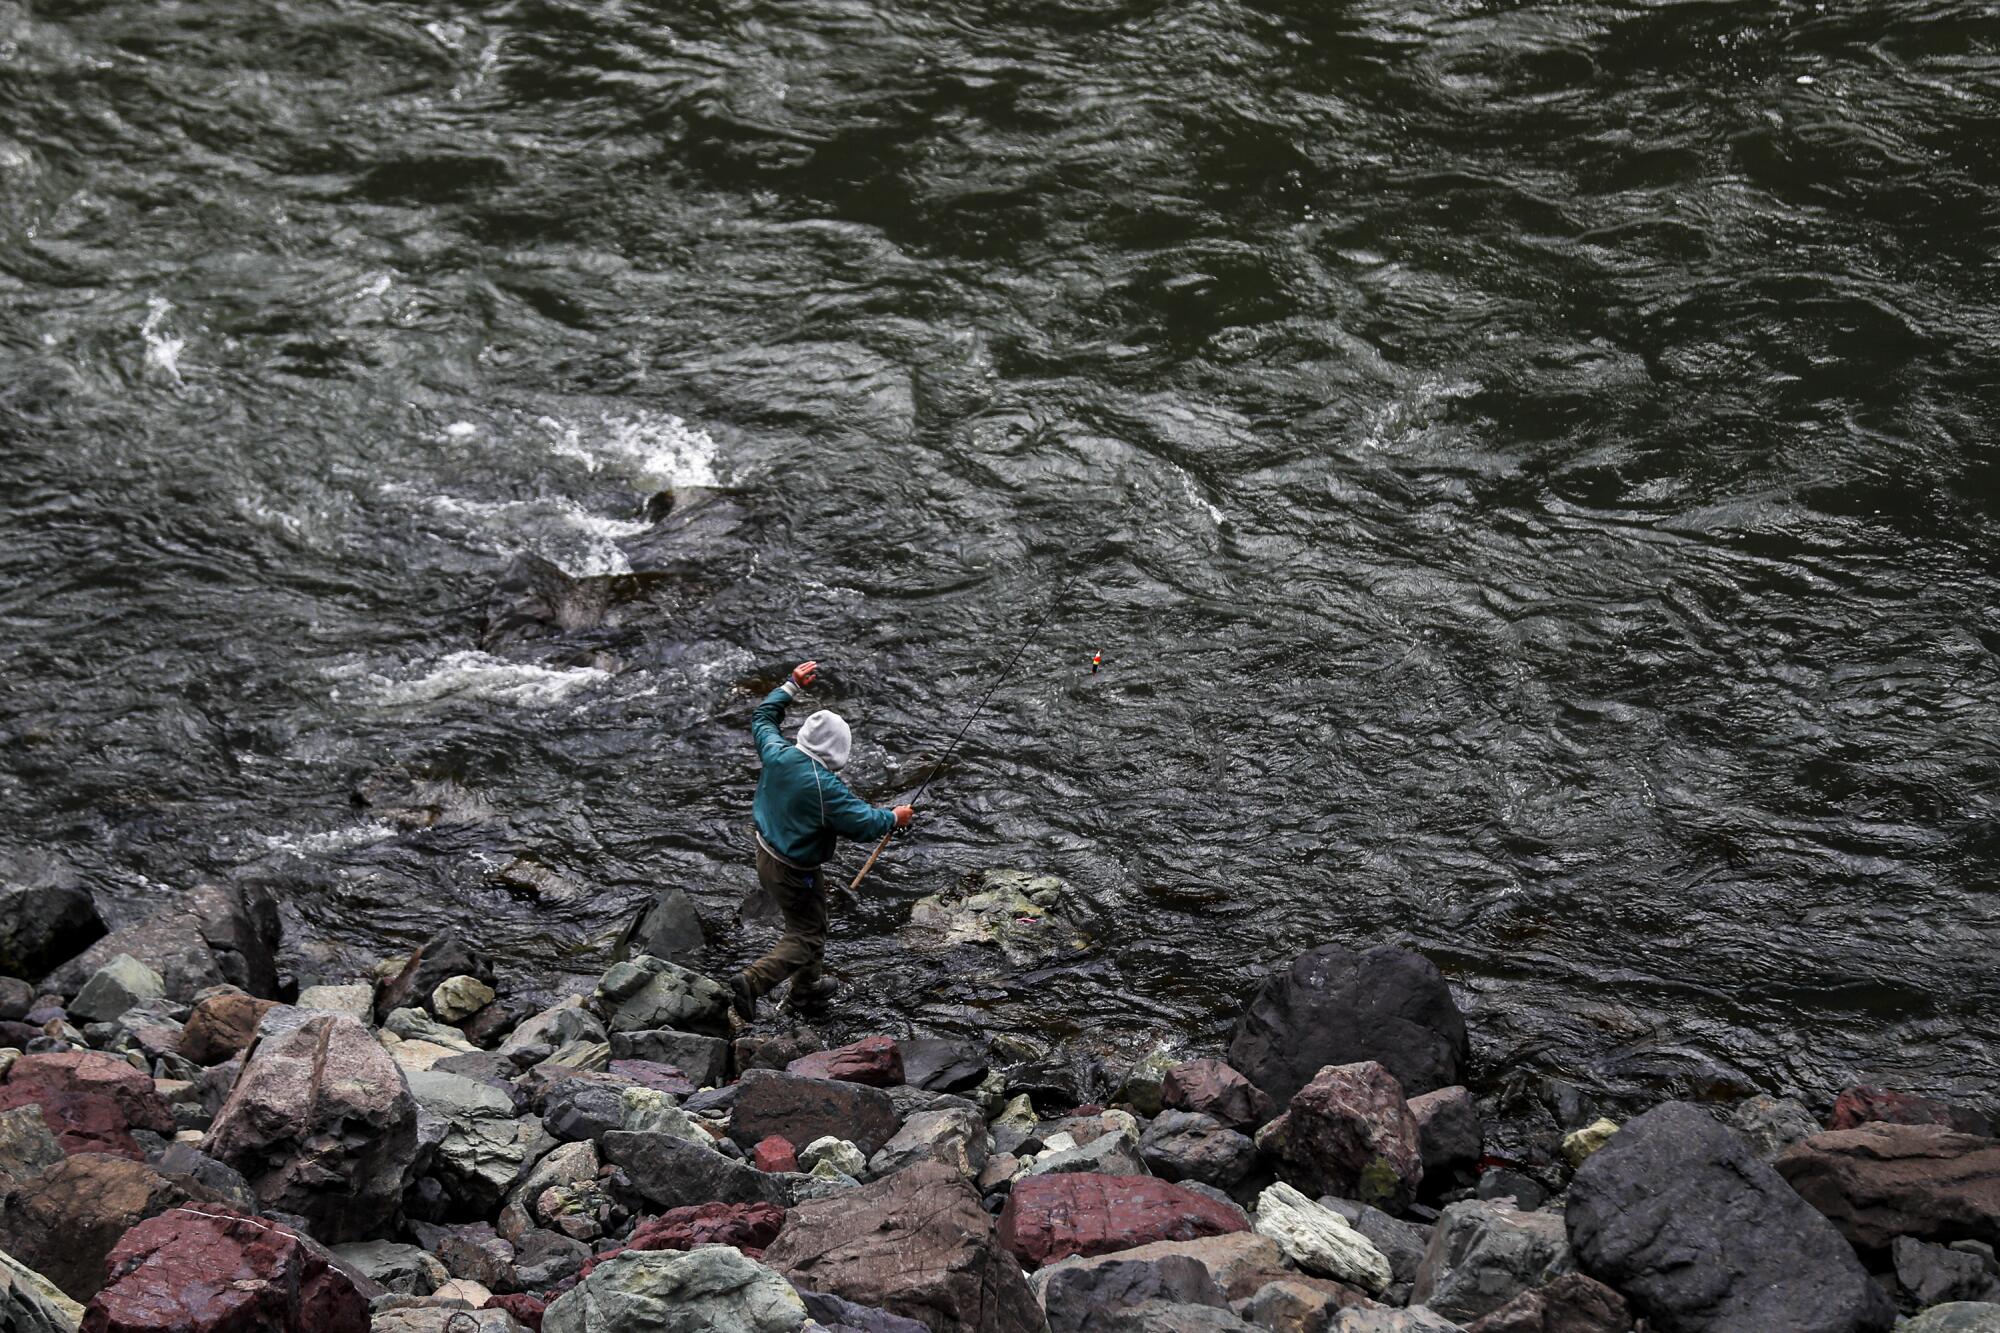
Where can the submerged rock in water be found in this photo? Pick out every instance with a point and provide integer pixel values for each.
(1010, 910)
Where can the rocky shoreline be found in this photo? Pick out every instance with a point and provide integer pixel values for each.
(190, 1141)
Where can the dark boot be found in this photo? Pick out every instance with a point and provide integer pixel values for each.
(742, 1000)
(812, 992)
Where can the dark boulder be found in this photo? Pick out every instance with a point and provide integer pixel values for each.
(437, 960)
(804, 1109)
(17, 997)
(1883, 1180)
(536, 600)
(1213, 1088)
(220, 934)
(219, 1271)
(668, 1172)
(1186, 1145)
(704, 1059)
(578, 1109)
(1678, 1215)
(41, 925)
(938, 1064)
(666, 927)
(835, 1315)
(1937, 1274)
(1078, 1298)
(1572, 1303)
(1055, 1216)
(916, 1244)
(1339, 1006)
(1448, 1133)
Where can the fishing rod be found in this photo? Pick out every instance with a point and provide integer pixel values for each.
(1027, 640)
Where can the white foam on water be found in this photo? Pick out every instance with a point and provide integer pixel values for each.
(331, 840)
(1195, 496)
(654, 449)
(162, 350)
(555, 527)
(475, 675)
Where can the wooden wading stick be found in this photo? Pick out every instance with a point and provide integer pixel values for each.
(869, 864)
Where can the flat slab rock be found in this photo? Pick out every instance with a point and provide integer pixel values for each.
(1884, 1180)
(802, 1110)
(1048, 1218)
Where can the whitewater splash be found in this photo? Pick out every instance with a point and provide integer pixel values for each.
(472, 675)
(656, 450)
(163, 350)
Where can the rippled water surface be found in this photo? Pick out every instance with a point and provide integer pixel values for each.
(1530, 469)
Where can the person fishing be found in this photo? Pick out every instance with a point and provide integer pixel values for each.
(802, 809)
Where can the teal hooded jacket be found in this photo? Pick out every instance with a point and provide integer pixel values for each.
(801, 806)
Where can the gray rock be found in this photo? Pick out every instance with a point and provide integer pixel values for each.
(956, 1138)
(1677, 1214)
(216, 934)
(471, 1251)
(1078, 1299)
(667, 927)
(1937, 1275)
(713, 1289)
(1957, 1317)
(939, 1064)
(402, 1268)
(1416, 1319)
(1483, 1254)
(1505, 1183)
(647, 993)
(1111, 1155)
(1448, 1133)
(121, 984)
(28, 1146)
(456, 999)
(543, 1258)
(670, 1172)
(416, 1025)
(1772, 1124)
(227, 1183)
(910, 1101)
(844, 1316)
(442, 1317)
(1402, 1243)
(1187, 1145)
(484, 1149)
(1170, 1317)
(569, 1164)
(556, 1027)
(705, 1060)
(17, 997)
(582, 1110)
(356, 1001)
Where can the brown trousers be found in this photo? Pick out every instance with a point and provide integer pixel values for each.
(799, 896)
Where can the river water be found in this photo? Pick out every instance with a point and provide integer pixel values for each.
(1530, 471)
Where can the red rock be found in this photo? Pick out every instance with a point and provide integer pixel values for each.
(1053, 1217)
(222, 1025)
(750, 1227)
(81, 1121)
(1864, 1105)
(873, 1061)
(107, 1076)
(774, 1154)
(527, 1309)
(211, 1269)
(1882, 1181)
(1213, 1088)
(659, 1077)
(1348, 1132)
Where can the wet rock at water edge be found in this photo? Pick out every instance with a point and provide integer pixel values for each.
(1015, 912)
(805, 1109)
(939, 1064)
(221, 1270)
(1678, 1215)
(666, 927)
(321, 1124)
(712, 1290)
(915, 1244)
(1866, 1105)
(1449, 1134)
(646, 993)
(1484, 1254)
(1055, 1216)
(1885, 1180)
(41, 925)
(1349, 1133)
(438, 960)
(1337, 1006)
(536, 602)
(875, 1062)
(1772, 1124)
(219, 934)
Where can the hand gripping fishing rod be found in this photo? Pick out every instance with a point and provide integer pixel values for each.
(1012, 662)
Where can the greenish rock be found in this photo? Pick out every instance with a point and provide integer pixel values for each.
(459, 998)
(27, 1147)
(573, 1209)
(592, 1057)
(121, 984)
(713, 1289)
(1142, 1084)
(645, 993)
(556, 1027)
(400, 1268)
(416, 1025)
(650, 1111)
(484, 1147)
(1010, 910)
(357, 1001)
(566, 1165)
(1955, 1317)
(30, 1303)
(1578, 1145)
(837, 1155)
